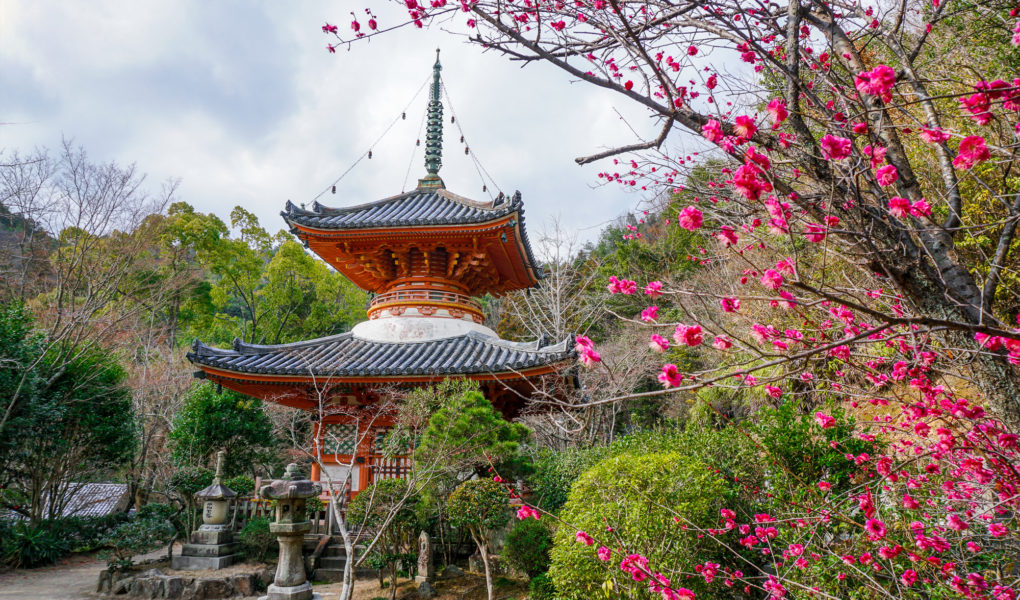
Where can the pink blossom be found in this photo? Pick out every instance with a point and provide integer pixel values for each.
(814, 232)
(835, 148)
(604, 553)
(582, 342)
(997, 529)
(744, 126)
(589, 357)
(526, 511)
(824, 486)
(875, 529)
(721, 342)
(972, 151)
(712, 131)
(777, 109)
(772, 279)
(726, 236)
(747, 181)
(658, 343)
(824, 420)
(909, 502)
(688, 335)
(934, 135)
(909, 577)
(921, 208)
(899, 207)
(689, 218)
(650, 314)
(773, 391)
(877, 82)
(654, 289)
(730, 304)
(670, 376)
(956, 523)
(584, 538)
(886, 175)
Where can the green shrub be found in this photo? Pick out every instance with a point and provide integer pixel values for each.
(146, 531)
(527, 547)
(541, 588)
(244, 486)
(256, 540)
(638, 495)
(27, 545)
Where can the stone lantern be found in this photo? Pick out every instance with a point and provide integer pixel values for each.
(291, 493)
(212, 544)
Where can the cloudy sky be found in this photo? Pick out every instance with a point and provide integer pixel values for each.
(242, 102)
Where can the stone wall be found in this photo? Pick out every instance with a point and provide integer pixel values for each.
(153, 583)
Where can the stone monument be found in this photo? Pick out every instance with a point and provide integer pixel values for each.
(212, 544)
(291, 494)
(426, 572)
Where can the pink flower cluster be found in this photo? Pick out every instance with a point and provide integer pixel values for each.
(621, 286)
(586, 349)
(877, 82)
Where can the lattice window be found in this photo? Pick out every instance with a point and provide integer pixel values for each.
(339, 438)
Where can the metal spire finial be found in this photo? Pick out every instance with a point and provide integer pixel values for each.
(434, 132)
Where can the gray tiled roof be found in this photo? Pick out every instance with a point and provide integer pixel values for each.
(417, 208)
(347, 356)
(95, 499)
(414, 208)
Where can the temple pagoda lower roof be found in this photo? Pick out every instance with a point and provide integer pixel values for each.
(345, 356)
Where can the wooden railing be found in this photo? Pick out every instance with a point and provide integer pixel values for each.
(428, 295)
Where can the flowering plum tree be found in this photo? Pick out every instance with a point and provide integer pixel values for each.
(862, 211)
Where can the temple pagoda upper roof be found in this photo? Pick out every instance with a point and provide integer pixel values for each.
(417, 208)
(345, 357)
(483, 246)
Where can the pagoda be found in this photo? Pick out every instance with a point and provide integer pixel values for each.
(424, 255)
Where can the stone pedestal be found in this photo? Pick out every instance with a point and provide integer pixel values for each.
(210, 547)
(212, 544)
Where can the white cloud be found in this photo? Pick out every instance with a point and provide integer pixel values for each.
(244, 104)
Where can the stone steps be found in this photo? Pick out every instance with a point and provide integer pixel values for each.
(335, 575)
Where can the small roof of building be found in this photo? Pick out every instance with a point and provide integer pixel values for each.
(95, 499)
(346, 356)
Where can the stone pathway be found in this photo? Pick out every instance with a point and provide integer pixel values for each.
(73, 578)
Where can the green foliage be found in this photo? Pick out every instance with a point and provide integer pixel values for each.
(730, 451)
(541, 588)
(555, 472)
(800, 448)
(147, 531)
(256, 539)
(209, 422)
(70, 417)
(29, 545)
(639, 494)
(242, 484)
(467, 433)
(389, 505)
(479, 505)
(527, 547)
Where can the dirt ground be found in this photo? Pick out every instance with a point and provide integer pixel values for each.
(75, 579)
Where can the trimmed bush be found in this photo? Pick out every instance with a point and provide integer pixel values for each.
(527, 547)
(638, 495)
(256, 540)
(147, 531)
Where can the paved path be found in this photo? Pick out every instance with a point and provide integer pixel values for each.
(73, 578)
